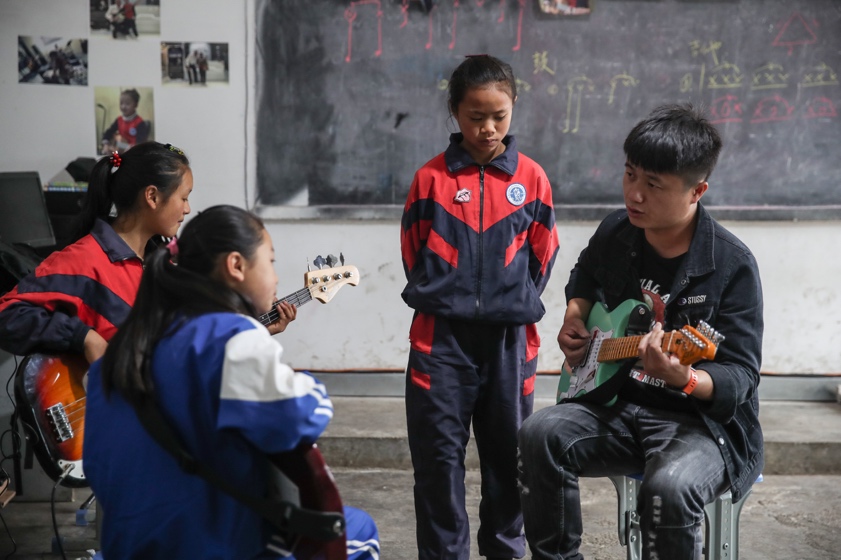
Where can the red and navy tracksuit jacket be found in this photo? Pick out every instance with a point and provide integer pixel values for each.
(478, 244)
(132, 131)
(90, 284)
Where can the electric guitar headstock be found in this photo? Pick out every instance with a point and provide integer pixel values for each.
(327, 278)
(691, 345)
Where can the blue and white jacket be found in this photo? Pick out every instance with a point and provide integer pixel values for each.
(222, 386)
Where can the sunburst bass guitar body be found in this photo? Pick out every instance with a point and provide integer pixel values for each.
(50, 394)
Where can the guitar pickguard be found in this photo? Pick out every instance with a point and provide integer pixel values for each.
(602, 325)
(582, 378)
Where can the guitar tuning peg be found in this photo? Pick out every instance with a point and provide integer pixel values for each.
(342, 258)
(705, 329)
(318, 262)
(331, 261)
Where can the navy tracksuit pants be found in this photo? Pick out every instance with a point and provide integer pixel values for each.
(458, 372)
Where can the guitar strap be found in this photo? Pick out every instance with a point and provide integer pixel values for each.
(605, 392)
(281, 508)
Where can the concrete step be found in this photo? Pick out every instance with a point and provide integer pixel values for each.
(801, 437)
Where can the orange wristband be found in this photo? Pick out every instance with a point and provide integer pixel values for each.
(693, 382)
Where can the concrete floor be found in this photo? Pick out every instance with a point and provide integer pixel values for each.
(786, 517)
(794, 514)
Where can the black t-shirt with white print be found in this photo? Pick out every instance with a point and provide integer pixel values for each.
(656, 275)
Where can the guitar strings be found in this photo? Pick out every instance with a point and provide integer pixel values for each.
(299, 298)
(618, 348)
(72, 411)
(626, 347)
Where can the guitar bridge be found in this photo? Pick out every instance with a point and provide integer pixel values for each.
(57, 418)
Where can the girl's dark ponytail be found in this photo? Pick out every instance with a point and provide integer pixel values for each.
(174, 291)
(117, 181)
(131, 365)
(97, 202)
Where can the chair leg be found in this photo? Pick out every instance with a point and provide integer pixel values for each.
(721, 538)
(628, 519)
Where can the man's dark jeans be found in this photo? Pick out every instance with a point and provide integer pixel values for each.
(681, 461)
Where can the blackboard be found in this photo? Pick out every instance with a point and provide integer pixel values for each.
(351, 96)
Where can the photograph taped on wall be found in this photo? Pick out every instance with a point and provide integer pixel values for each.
(565, 7)
(194, 64)
(124, 117)
(52, 60)
(125, 19)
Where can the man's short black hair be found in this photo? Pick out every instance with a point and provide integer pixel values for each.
(675, 139)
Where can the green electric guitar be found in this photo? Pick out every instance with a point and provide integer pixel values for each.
(609, 347)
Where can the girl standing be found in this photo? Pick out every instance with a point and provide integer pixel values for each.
(193, 346)
(478, 241)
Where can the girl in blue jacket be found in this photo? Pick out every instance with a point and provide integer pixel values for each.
(192, 345)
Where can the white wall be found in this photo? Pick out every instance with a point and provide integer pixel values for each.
(46, 126)
(43, 127)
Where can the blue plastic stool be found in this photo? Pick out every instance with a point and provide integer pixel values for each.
(721, 535)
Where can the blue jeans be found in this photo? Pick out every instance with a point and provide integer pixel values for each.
(682, 463)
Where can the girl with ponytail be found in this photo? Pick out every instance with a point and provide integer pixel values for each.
(77, 297)
(192, 346)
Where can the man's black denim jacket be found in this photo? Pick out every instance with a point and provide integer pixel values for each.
(718, 282)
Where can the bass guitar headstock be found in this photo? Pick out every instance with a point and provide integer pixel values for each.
(326, 279)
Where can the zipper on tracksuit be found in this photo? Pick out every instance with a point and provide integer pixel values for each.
(480, 246)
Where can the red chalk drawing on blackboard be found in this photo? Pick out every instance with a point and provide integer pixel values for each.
(774, 108)
(351, 15)
(820, 108)
(726, 109)
(795, 31)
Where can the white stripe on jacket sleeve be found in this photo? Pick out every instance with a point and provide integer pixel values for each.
(253, 371)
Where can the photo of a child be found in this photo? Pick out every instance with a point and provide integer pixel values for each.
(128, 128)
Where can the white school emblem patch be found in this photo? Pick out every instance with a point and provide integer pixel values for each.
(462, 196)
(516, 194)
